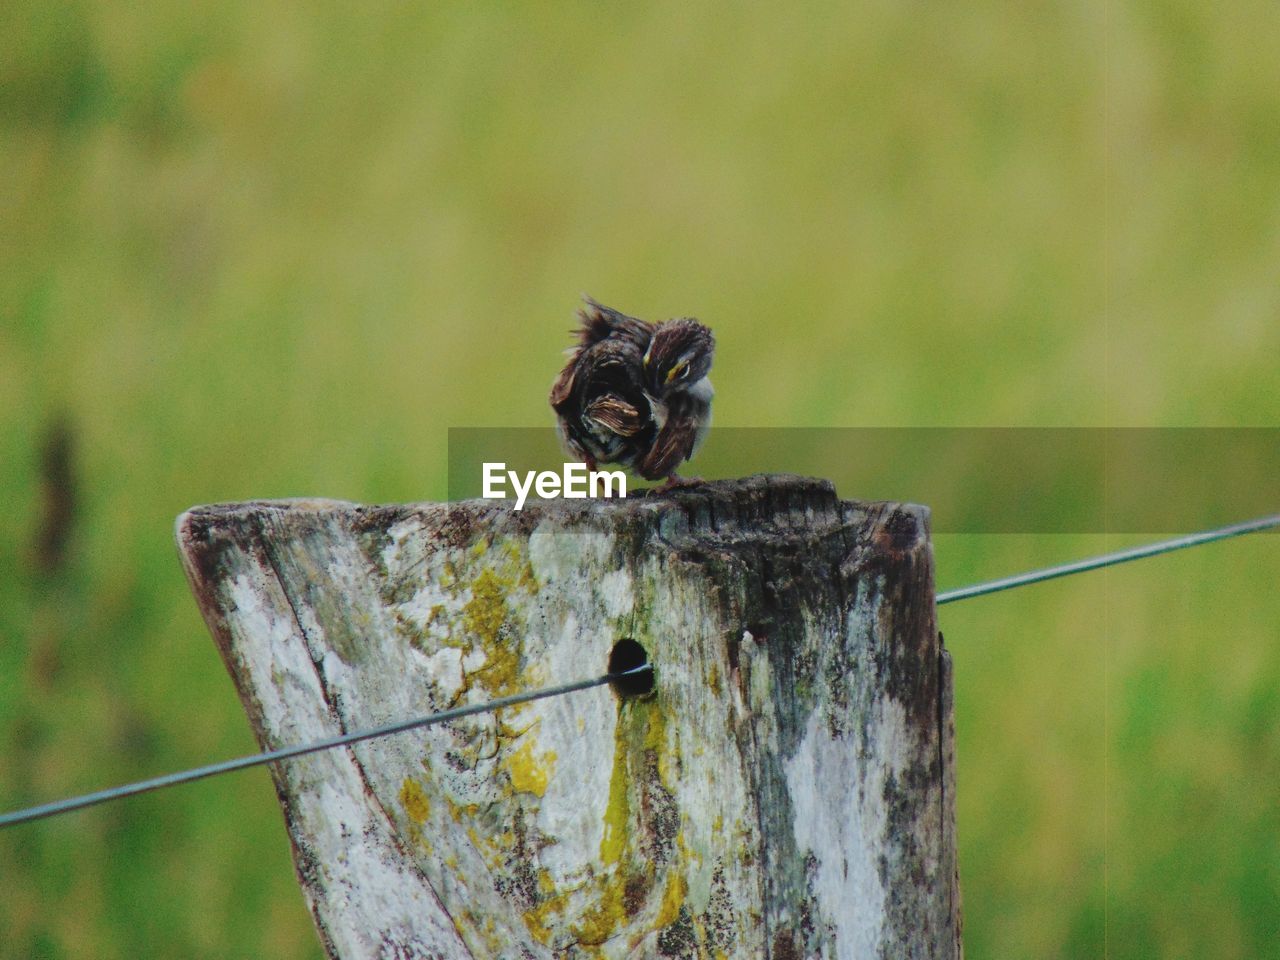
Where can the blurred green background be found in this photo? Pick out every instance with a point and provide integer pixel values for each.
(259, 250)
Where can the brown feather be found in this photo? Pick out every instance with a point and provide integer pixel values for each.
(600, 322)
(672, 446)
(615, 414)
(563, 387)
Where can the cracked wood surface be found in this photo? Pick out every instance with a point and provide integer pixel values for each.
(787, 790)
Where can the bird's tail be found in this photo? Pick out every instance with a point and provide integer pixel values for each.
(599, 322)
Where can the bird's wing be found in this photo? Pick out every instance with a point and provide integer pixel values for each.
(672, 446)
(616, 415)
(563, 387)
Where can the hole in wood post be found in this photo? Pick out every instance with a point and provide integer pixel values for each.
(627, 654)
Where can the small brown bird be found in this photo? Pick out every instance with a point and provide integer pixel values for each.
(635, 393)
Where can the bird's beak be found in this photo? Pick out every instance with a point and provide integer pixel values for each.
(672, 374)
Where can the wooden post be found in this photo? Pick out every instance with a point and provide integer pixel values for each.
(786, 791)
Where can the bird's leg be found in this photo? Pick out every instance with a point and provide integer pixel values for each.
(590, 461)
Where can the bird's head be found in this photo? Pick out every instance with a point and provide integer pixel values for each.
(679, 355)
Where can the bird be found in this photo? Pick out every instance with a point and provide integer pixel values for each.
(635, 393)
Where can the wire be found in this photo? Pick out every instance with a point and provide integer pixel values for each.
(285, 753)
(1109, 559)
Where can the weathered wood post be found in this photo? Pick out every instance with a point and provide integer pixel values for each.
(787, 790)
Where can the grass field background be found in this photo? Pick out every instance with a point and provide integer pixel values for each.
(259, 250)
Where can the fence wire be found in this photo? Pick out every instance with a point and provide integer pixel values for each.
(70, 804)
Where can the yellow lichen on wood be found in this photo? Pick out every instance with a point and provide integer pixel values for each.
(530, 774)
(655, 739)
(609, 903)
(617, 811)
(484, 617)
(486, 611)
(414, 801)
(535, 922)
(602, 921)
(528, 580)
(525, 579)
(550, 905)
(673, 897)
(459, 810)
(713, 679)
